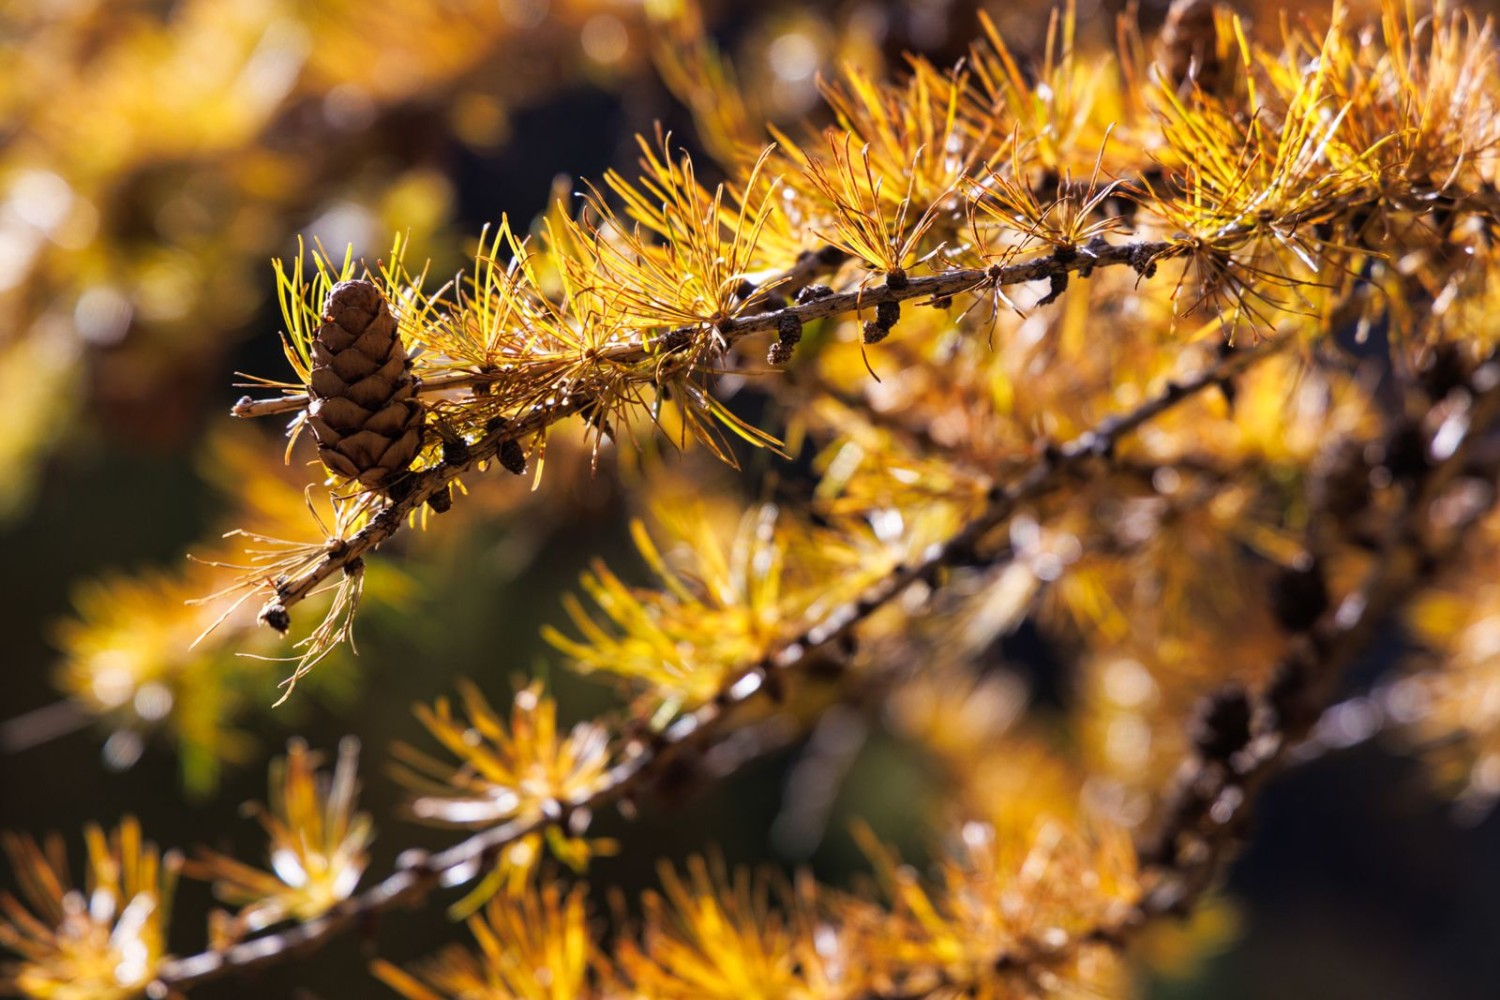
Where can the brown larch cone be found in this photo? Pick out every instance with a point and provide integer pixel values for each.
(364, 412)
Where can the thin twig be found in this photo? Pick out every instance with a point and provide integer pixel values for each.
(382, 527)
(809, 266)
(646, 759)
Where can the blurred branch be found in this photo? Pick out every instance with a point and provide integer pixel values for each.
(1232, 762)
(42, 725)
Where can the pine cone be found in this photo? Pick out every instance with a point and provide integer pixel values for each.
(364, 412)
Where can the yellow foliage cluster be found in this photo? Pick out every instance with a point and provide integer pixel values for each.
(319, 847)
(104, 941)
(988, 926)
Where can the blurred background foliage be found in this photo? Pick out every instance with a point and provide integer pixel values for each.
(154, 155)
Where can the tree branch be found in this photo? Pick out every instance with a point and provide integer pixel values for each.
(428, 483)
(809, 266)
(647, 758)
